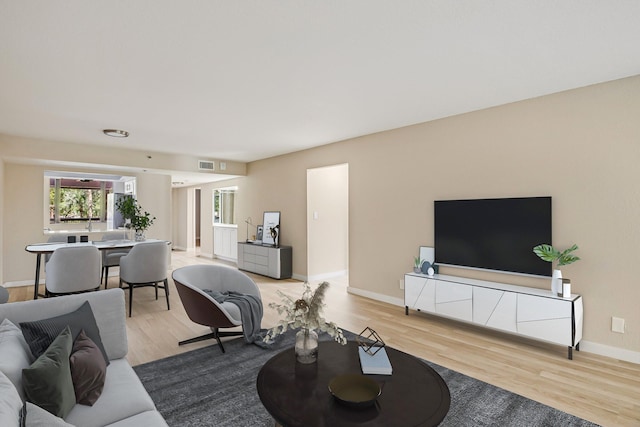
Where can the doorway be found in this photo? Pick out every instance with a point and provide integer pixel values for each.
(197, 220)
(328, 222)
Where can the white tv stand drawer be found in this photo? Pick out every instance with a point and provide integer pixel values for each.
(530, 312)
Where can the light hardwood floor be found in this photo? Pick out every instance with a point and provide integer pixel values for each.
(596, 388)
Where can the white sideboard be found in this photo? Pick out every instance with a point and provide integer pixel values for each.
(530, 312)
(266, 260)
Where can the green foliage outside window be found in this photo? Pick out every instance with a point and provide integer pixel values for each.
(76, 205)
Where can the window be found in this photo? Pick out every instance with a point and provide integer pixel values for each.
(77, 200)
(224, 205)
(80, 198)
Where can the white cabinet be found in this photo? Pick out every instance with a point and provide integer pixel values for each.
(265, 260)
(544, 318)
(454, 300)
(529, 312)
(420, 293)
(224, 242)
(495, 308)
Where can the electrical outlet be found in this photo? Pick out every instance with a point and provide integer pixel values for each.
(401, 283)
(617, 325)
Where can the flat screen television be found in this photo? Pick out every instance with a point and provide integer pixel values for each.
(493, 234)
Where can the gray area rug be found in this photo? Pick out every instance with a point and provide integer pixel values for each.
(207, 388)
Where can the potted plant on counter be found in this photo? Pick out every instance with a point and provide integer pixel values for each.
(417, 264)
(550, 254)
(136, 218)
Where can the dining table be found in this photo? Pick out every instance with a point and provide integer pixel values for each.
(48, 248)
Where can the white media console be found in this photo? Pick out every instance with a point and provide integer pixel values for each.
(530, 312)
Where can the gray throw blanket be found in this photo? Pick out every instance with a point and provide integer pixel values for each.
(250, 311)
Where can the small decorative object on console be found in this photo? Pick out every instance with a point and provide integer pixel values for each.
(426, 266)
(417, 263)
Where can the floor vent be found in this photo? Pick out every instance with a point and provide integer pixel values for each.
(206, 165)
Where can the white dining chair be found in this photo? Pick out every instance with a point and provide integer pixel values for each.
(111, 257)
(73, 269)
(56, 238)
(146, 264)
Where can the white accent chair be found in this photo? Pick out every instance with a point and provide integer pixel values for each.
(73, 269)
(146, 264)
(202, 308)
(111, 257)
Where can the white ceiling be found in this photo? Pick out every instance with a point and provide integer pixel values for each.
(246, 80)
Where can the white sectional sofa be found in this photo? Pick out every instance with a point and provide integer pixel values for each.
(124, 401)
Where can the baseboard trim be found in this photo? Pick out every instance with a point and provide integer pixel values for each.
(609, 351)
(376, 296)
(585, 346)
(326, 276)
(299, 277)
(19, 283)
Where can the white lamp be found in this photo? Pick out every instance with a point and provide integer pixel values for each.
(248, 221)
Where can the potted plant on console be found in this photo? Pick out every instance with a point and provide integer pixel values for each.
(136, 218)
(550, 254)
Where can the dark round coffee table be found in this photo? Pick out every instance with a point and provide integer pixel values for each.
(298, 395)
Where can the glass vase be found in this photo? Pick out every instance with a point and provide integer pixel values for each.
(306, 346)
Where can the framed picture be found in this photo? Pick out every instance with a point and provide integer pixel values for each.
(271, 228)
(259, 233)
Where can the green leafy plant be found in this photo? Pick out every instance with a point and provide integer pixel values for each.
(417, 262)
(142, 220)
(550, 254)
(139, 219)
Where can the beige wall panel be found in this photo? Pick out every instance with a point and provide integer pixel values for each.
(179, 212)
(153, 193)
(2, 193)
(206, 221)
(22, 220)
(581, 147)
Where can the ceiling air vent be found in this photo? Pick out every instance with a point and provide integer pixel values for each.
(206, 165)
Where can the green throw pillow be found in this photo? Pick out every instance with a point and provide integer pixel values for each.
(47, 382)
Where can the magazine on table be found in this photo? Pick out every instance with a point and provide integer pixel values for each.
(377, 363)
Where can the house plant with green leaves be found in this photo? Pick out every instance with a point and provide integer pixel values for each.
(550, 254)
(136, 218)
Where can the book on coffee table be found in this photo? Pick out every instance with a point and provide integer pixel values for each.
(377, 363)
